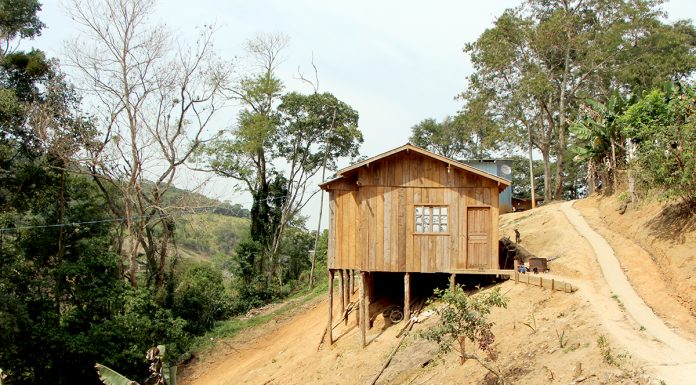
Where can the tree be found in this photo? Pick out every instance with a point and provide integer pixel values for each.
(465, 318)
(18, 19)
(278, 145)
(444, 138)
(246, 154)
(153, 105)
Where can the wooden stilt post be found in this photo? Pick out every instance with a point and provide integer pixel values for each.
(329, 328)
(453, 281)
(407, 297)
(352, 280)
(368, 295)
(342, 287)
(348, 289)
(348, 293)
(361, 308)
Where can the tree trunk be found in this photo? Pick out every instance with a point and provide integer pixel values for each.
(531, 167)
(561, 126)
(163, 253)
(547, 174)
(613, 165)
(590, 178)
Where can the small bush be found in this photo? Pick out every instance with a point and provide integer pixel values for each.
(465, 318)
(200, 298)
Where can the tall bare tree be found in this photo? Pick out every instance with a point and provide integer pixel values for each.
(153, 100)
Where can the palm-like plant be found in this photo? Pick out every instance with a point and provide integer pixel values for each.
(598, 136)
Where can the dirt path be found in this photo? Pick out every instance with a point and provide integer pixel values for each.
(645, 336)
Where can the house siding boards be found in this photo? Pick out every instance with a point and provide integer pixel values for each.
(371, 216)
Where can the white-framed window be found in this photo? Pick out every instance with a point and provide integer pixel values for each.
(431, 219)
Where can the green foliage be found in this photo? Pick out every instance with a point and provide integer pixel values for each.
(18, 19)
(200, 297)
(598, 137)
(295, 253)
(663, 124)
(445, 138)
(140, 323)
(464, 317)
(520, 178)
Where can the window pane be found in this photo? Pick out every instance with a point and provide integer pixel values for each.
(443, 210)
(427, 219)
(443, 228)
(443, 219)
(419, 228)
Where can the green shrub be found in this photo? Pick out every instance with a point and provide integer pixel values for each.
(664, 126)
(200, 297)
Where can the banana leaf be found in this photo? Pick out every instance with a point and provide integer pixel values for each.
(111, 377)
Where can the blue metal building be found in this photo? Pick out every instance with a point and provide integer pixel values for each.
(501, 168)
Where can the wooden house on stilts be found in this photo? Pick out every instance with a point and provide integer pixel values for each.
(410, 211)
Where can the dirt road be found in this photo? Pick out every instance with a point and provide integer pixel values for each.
(668, 355)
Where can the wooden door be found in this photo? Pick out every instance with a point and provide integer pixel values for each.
(478, 237)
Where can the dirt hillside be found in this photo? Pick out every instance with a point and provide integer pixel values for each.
(543, 337)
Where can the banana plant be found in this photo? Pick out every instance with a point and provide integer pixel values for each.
(161, 373)
(598, 133)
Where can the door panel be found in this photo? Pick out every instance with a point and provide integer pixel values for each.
(478, 237)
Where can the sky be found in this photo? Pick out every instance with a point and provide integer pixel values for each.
(395, 62)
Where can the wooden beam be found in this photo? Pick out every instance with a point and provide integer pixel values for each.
(453, 281)
(484, 272)
(407, 296)
(361, 308)
(329, 327)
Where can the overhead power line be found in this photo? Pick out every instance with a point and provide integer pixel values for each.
(122, 219)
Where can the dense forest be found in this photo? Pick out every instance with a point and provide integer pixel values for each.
(102, 257)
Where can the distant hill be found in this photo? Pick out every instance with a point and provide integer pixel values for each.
(209, 236)
(189, 201)
(206, 228)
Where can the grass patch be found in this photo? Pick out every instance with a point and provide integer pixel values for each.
(618, 301)
(232, 327)
(608, 355)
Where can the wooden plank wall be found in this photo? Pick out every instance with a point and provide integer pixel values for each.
(372, 229)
